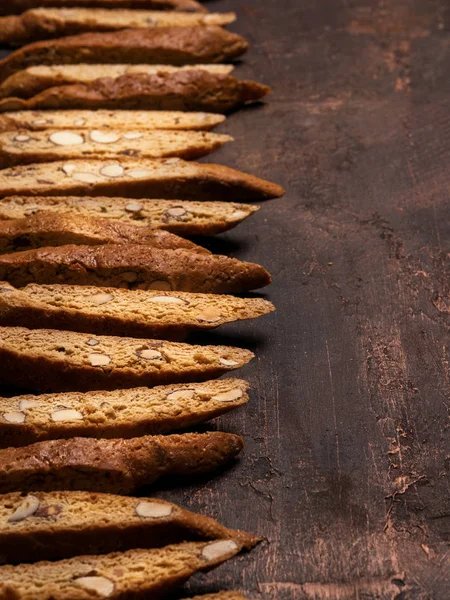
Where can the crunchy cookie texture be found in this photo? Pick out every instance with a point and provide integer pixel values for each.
(144, 178)
(22, 147)
(187, 90)
(45, 23)
(132, 266)
(178, 216)
(47, 360)
(58, 525)
(53, 229)
(163, 45)
(32, 80)
(115, 119)
(118, 466)
(130, 413)
(112, 311)
(18, 6)
(135, 572)
(220, 596)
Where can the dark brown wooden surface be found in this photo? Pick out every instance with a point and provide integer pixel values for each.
(347, 434)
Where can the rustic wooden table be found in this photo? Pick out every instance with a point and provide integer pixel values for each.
(347, 458)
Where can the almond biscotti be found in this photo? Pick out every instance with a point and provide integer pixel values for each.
(115, 466)
(129, 120)
(22, 148)
(31, 81)
(47, 360)
(112, 311)
(132, 266)
(127, 413)
(133, 574)
(58, 525)
(46, 23)
(144, 178)
(18, 6)
(167, 45)
(190, 89)
(177, 216)
(51, 229)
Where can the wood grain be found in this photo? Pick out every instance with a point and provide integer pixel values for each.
(348, 453)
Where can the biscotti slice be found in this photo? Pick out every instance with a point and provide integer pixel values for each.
(168, 45)
(22, 148)
(58, 525)
(132, 266)
(133, 574)
(47, 360)
(112, 311)
(119, 466)
(144, 178)
(31, 81)
(186, 90)
(118, 414)
(129, 120)
(18, 6)
(52, 229)
(46, 23)
(180, 217)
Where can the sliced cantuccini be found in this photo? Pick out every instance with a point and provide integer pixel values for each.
(127, 413)
(132, 266)
(178, 216)
(128, 120)
(18, 6)
(113, 311)
(59, 229)
(161, 45)
(44, 23)
(193, 89)
(47, 360)
(33, 80)
(119, 466)
(23, 147)
(164, 178)
(132, 574)
(58, 525)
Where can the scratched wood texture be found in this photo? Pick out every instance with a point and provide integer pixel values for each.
(347, 434)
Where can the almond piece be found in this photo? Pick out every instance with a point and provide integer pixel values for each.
(149, 354)
(218, 549)
(99, 360)
(100, 585)
(79, 122)
(14, 416)
(67, 414)
(228, 363)
(210, 315)
(134, 207)
(39, 122)
(69, 168)
(133, 135)
(104, 137)
(176, 212)
(28, 507)
(92, 342)
(101, 298)
(66, 138)
(21, 138)
(153, 510)
(181, 395)
(112, 171)
(238, 215)
(26, 404)
(228, 396)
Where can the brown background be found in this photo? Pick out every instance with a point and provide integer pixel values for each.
(347, 459)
